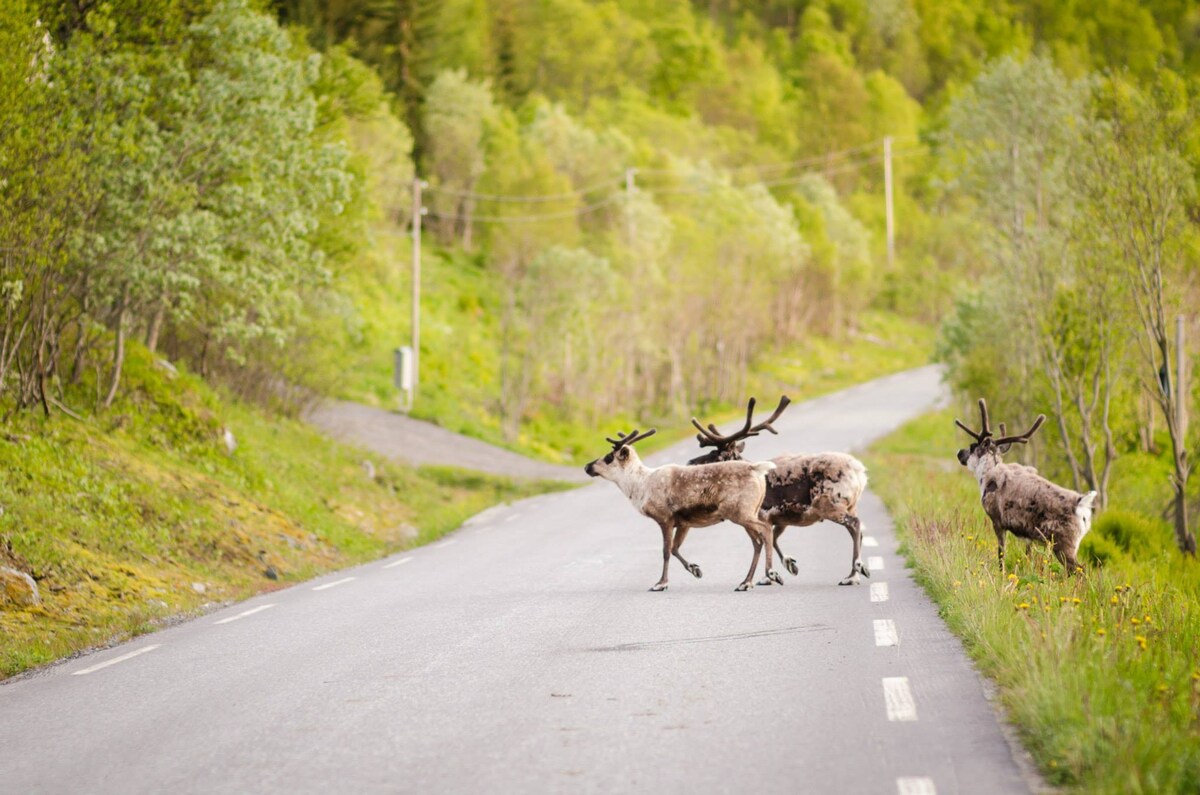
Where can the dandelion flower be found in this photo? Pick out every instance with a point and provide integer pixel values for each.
(1013, 577)
(1023, 606)
(1115, 601)
(1076, 600)
(1141, 641)
(1135, 621)
(1101, 631)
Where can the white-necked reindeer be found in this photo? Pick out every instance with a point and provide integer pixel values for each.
(801, 490)
(679, 498)
(1020, 501)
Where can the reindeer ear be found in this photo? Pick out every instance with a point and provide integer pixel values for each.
(624, 453)
(741, 446)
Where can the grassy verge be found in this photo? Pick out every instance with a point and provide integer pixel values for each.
(1100, 673)
(131, 517)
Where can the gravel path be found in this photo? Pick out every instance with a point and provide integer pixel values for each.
(402, 438)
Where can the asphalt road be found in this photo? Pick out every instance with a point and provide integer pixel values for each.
(523, 653)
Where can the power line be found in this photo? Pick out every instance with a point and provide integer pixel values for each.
(830, 164)
(532, 199)
(517, 219)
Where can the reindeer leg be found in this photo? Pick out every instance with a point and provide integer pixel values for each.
(790, 563)
(767, 534)
(857, 567)
(661, 585)
(680, 534)
(1001, 537)
(757, 540)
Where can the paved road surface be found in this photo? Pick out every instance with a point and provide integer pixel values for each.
(523, 653)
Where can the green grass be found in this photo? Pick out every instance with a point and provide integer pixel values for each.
(1100, 672)
(119, 515)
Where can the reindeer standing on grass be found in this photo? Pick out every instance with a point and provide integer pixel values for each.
(801, 489)
(1020, 501)
(679, 498)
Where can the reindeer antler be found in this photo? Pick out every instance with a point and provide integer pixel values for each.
(623, 440)
(711, 437)
(986, 431)
(1023, 438)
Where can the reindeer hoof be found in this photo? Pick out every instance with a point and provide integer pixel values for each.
(764, 581)
(862, 569)
(851, 580)
(695, 570)
(792, 568)
(746, 586)
(658, 586)
(775, 577)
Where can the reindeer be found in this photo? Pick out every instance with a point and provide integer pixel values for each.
(1020, 501)
(680, 498)
(801, 490)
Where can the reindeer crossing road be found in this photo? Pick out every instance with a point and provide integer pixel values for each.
(528, 657)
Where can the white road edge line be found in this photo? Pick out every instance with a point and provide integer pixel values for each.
(116, 660)
(396, 563)
(869, 541)
(879, 592)
(513, 517)
(915, 785)
(899, 699)
(332, 584)
(885, 632)
(250, 612)
(445, 543)
(875, 563)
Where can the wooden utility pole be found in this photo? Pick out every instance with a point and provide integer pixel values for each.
(418, 211)
(887, 192)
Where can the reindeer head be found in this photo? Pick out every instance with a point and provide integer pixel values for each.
(984, 446)
(729, 448)
(621, 457)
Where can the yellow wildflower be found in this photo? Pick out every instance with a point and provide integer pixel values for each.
(1076, 600)
(1141, 641)
(1115, 601)
(1012, 577)
(1023, 606)
(1135, 621)
(1101, 631)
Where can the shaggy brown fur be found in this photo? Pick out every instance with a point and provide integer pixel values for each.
(802, 490)
(1020, 501)
(679, 498)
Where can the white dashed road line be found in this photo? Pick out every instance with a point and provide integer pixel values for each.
(899, 699)
(512, 518)
(396, 563)
(879, 592)
(445, 543)
(116, 660)
(914, 785)
(875, 563)
(869, 541)
(250, 612)
(885, 632)
(334, 583)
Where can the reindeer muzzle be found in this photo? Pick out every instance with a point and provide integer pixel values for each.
(590, 469)
(963, 455)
